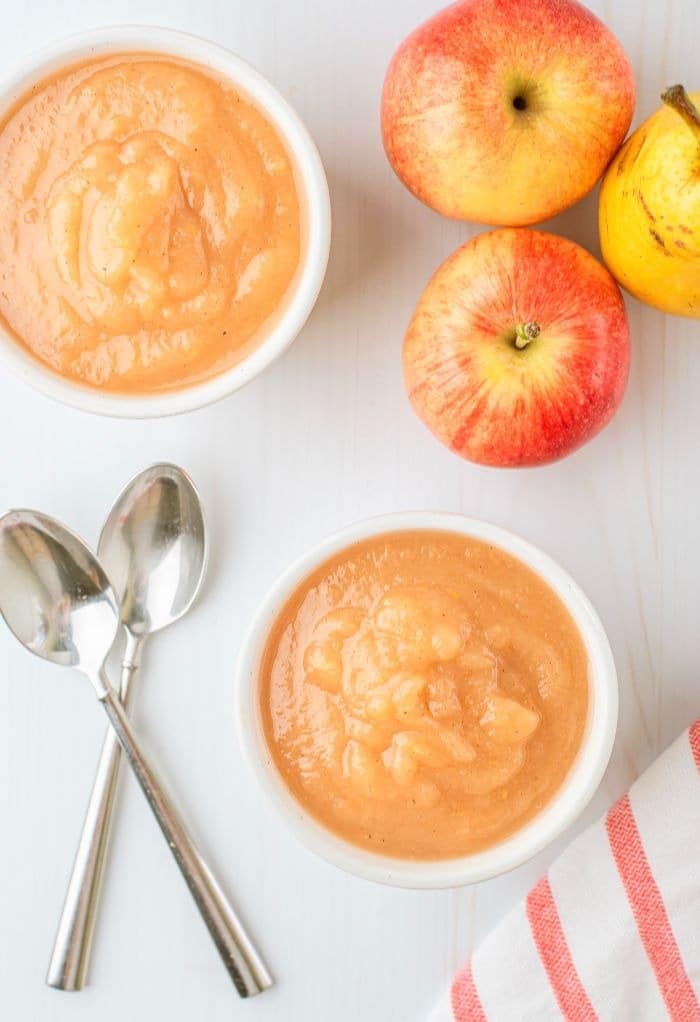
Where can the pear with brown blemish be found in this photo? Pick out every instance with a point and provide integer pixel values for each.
(650, 208)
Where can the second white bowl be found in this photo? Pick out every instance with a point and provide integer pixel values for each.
(576, 791)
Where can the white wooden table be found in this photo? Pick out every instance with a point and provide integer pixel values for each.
(324, 437)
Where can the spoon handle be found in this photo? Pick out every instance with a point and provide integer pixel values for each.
(240, 957)
(70, 957)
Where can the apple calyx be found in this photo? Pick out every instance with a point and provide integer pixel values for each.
(678, 99)
(524, 333)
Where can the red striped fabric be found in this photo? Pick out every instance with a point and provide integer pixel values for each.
(694, 736)
(649, 911)
(645, 929)
(466, 1006)
(552, 947)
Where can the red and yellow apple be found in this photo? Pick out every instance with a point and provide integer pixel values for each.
(519, 350)
(506, 111)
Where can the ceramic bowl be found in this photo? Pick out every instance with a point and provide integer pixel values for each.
(279, 332)
(571, 798)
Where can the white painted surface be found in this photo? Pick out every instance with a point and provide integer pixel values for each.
(323, 437)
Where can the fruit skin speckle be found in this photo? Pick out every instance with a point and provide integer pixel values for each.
(649, 214)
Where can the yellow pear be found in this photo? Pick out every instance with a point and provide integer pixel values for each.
(650, 208)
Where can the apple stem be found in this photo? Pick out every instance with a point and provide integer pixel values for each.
(524, 333)
(678, 99)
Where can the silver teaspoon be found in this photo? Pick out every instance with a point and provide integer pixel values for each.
(153, 548)
(56, 599)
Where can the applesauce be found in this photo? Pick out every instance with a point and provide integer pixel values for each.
(424, 694)
(149, 223)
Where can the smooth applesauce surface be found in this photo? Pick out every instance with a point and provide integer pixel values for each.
(424, 694)
(149, 223)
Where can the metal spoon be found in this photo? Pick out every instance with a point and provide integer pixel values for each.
(153, 548)
(57, 600)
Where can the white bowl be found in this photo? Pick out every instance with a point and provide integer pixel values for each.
(311, 185)
(579, 786)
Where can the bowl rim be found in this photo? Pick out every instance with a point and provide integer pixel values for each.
(570, 800)
(311, 182)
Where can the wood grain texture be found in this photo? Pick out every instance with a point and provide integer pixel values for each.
(325, 436)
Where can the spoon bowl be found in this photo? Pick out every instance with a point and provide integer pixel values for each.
(54, 594)
(153, 547)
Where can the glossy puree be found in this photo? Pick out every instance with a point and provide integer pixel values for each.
(149, 223)
(424, 694)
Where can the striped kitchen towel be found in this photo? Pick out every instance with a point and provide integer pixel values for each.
(612, 932)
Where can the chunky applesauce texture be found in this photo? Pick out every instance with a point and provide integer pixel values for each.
(424, 694)
(149, 223)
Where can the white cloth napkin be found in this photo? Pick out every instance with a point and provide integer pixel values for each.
(612, 932)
